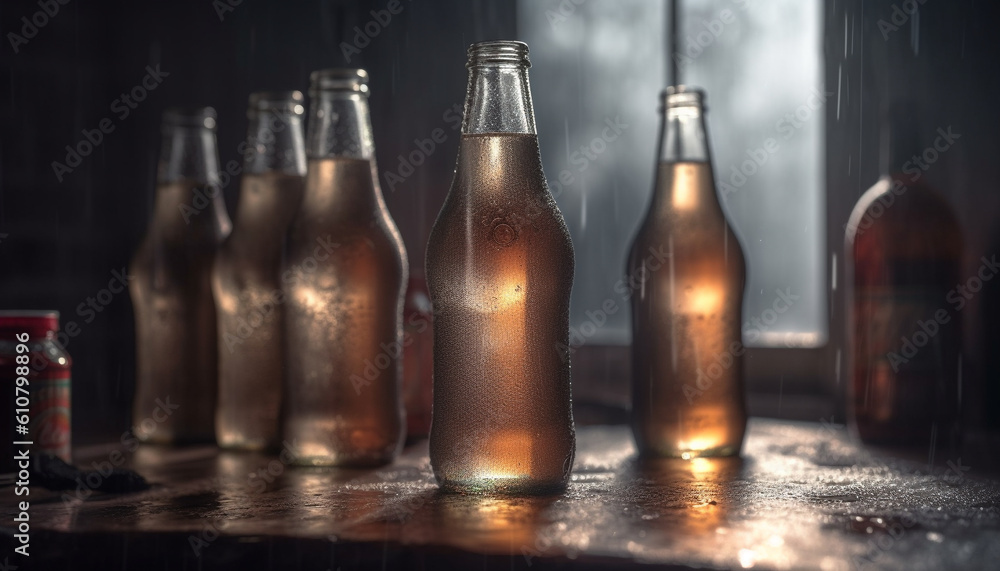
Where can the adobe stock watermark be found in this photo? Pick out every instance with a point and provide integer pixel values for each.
(129, 443)
(424, 148)
(753, 328)
(257, 482)
(915, 167)
(363, 35)
(587, 154)
(88, 310)
(707, 33)
(202, 197)
(899, 17)
(30, 26)
(951, 474)
(120, 108)
(391, 353)
(224, 7)
(786, 127)
(564, 11)
(926, 330)
(257, 315)
(655, 258)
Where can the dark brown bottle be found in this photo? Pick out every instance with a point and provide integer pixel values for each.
(344, 277)
(171, 289)
(688, 396)
(904, 250)
(500, 271)
(245, 278)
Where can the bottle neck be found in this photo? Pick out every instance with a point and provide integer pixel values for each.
(683, 137)
(188, 153)
(684, 179)
(275, 143)
(498, 98)
(340, 126)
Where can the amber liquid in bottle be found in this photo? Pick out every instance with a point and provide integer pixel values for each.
(688, 397)
(171, 290)
(346, 273)
(500, 270)
(245, 278)
(904, 250)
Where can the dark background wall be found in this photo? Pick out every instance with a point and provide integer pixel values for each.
(940, 69)
(64, 239)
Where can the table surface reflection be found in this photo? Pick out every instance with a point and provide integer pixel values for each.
(801, 496)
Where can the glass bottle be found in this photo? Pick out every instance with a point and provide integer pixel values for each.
(344, 278)
(245, 279)
(418, 359)
(500, 270)
(171, 286)
(687, 388)
(904, 247)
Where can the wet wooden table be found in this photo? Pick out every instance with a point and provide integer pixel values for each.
(802, 496)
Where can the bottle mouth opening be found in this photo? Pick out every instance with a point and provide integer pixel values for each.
(498, 52)
(339, 79)
(197, 117)
(282, 101)
(683, 96)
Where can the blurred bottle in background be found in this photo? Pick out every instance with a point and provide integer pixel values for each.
(418, 358)
(245, 279)
(346, 272)
(500, 269)
(904, 251)
(689, 269)
(171, 289)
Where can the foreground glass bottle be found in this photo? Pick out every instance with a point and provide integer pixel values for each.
(688, 271)
(500, 271)
(344, 278)
(904, 252)
(171, 289)
(245, 278)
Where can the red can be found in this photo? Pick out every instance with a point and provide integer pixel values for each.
(34, 386)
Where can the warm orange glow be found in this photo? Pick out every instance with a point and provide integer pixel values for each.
(685, 190)
(509, 455)
(703, 430)
(310, 298)
(512, 294)
(693, 448)
(703, 299)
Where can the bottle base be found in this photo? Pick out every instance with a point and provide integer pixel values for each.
(341, 462)
(718, 452)
(502, 486)
(247, 445)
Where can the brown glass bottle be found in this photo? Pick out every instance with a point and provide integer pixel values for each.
(245, 279)
(687, 389)
(171, 288)
(500, 271)
(344, 278)
(904, 250)
(418, 358)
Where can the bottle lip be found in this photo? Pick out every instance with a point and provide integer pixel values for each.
(197, 117)
(339, 79)
(35, 322)
(282, 100)
(498, 52)
(683, 96)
